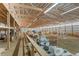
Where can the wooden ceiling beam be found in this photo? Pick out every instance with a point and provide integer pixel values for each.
(27, 7)
(38, 16)
(3, 12)
(44, 21)
(2, 16)
(3, 20)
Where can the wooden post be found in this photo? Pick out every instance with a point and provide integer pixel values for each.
(14, 29)
(57, 36)
(65, 29)
(59, 31)
(8, 31)
(72, 28)
(17, 32)
(32, 51)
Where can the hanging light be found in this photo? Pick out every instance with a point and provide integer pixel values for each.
(51, 7)
(69, 10)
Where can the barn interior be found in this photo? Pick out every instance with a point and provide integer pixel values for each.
(58, 22)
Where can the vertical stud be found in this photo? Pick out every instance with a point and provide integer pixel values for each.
(8, 31)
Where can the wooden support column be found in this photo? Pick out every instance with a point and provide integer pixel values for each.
(14, 29)
(65, 28)
(32, 53)
(14, 24)
(72, 28)
(59, 31)
(8, 31)
(17, 31)
(57, 36)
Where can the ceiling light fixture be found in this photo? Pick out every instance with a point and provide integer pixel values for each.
(69, 10)
(51, 7)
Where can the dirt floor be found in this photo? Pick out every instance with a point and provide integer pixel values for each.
(70, 43)
(15, 49)
(10, 51)
(2, 47)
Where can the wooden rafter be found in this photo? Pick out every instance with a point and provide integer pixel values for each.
(27, 7)
(1, 15)
(3, 11)
(41, 13)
